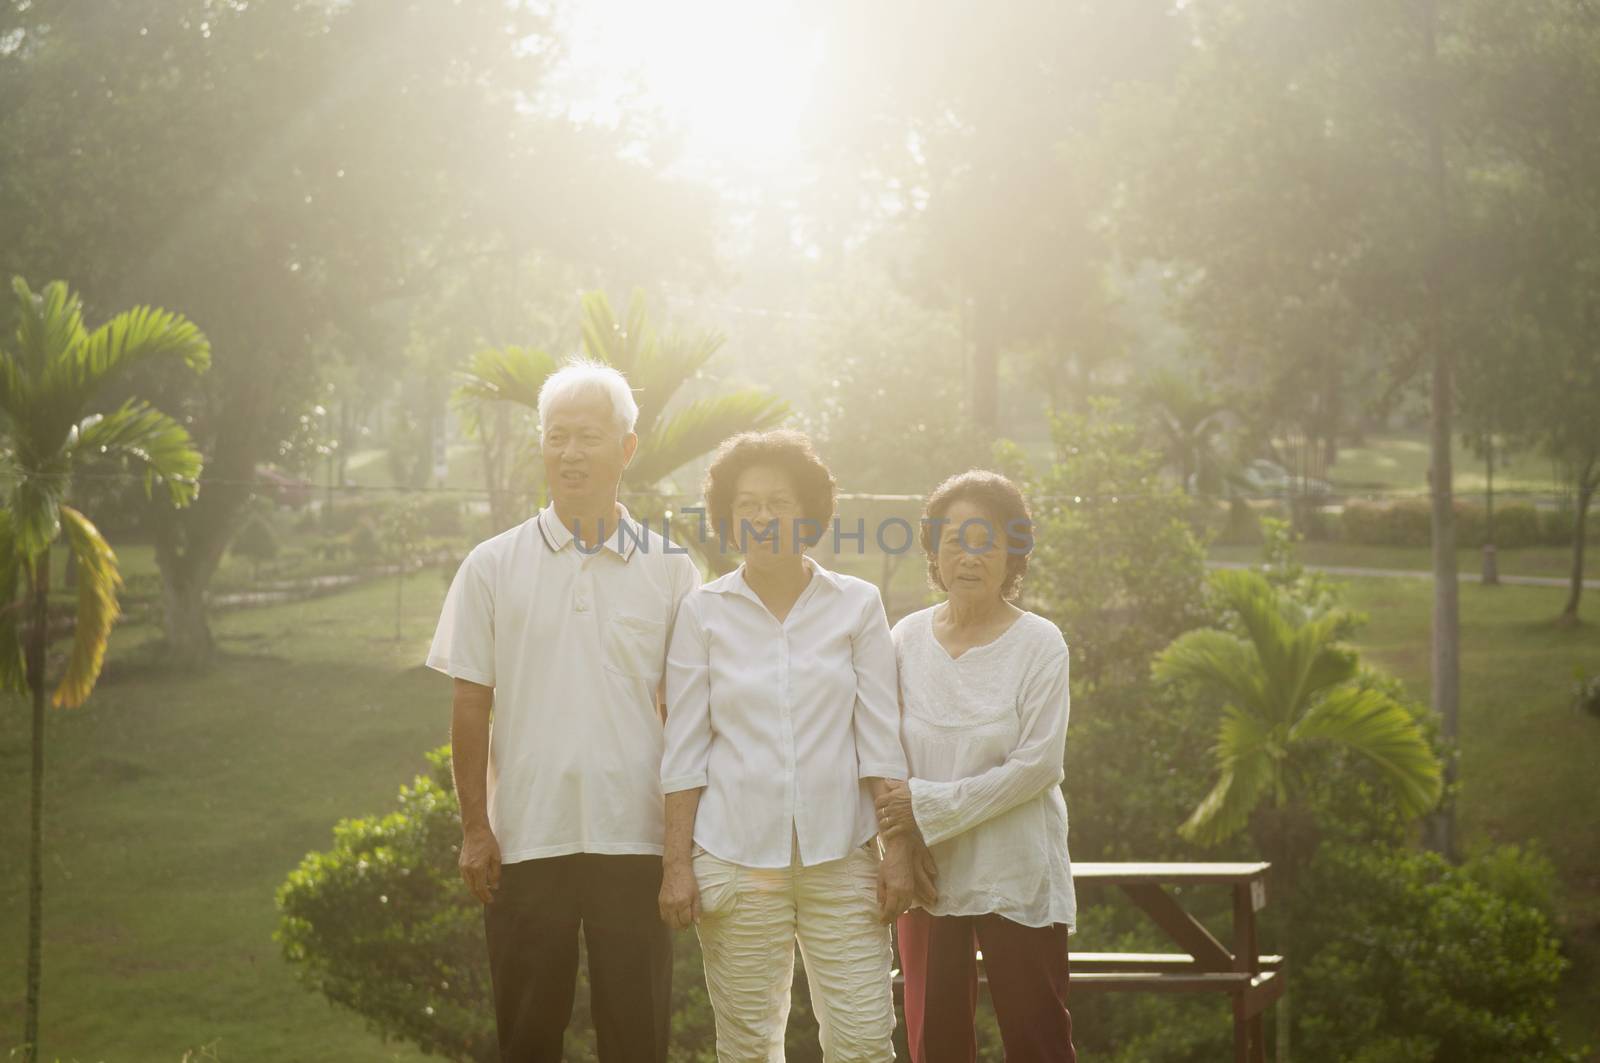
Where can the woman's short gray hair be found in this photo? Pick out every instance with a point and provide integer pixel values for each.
(583, 377)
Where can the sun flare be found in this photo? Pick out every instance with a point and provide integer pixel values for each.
(734, 78)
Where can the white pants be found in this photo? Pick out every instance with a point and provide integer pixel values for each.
(750, 919)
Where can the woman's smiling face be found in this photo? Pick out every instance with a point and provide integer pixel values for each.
(766, 506)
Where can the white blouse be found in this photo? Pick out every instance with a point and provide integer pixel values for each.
(780, 722)
(984, 735)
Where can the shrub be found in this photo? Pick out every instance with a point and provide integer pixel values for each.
(349, 513)
(1586, 695)
(1408, 958)
(1243, 524)
(1409, 522)
(1363, 522)
(1119, 569)
(366, 546)
(440, 515)
(380, 924)
(1470, 524)
(1516, 525)
(257, 542)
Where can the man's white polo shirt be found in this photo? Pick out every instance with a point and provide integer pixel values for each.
(573, 639)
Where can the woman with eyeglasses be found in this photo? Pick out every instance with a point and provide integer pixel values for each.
(782, 726)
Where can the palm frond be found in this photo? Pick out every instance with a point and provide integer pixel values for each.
(697, 428)
(13, 606)
(665, 366)
(505, 374)
(99, 580)
(140, 431)
(1375, 726)
(1248, 764)
(35, 507)
(1315, 661)
(137, 335)
(1252, 599)
(618, 344)
(49, 325)
(1220, 661)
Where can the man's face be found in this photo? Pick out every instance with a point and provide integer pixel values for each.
(584, 453)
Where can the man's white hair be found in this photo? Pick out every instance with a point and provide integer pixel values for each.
(582, 378)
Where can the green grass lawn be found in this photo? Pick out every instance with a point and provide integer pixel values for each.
(1527, 758)
(1551, 561)
(177, 804)
(1400, 462)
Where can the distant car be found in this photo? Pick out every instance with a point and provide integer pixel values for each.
(1267, 478)
(283, 489)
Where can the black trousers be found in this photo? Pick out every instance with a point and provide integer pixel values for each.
(532, 928)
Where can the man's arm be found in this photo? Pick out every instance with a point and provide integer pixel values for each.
(470, 707)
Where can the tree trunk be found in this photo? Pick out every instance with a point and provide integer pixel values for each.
(189, 547)
(1491, 567)
(1446, 590)
(185, 623)
(1580, 523)
(38, 641)
(1287, 836)
(986, 366)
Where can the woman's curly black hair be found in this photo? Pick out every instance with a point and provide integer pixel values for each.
(1004, 506)
(780, 448)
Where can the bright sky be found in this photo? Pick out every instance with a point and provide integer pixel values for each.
(735, 78)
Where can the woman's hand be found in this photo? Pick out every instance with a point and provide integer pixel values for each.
(924, 874)
(895, 818)
(680, 895)
(896, 884)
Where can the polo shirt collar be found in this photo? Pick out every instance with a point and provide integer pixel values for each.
(557, 535)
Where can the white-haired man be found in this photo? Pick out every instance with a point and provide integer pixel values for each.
(560, 625)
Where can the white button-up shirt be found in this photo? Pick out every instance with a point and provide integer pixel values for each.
(574, 641)
(985, 734)
(780, 722)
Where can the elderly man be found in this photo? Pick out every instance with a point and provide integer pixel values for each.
(558, 629)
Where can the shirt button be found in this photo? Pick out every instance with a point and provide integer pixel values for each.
(582, 605)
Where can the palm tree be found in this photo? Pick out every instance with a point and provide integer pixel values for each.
(1191, 424)
(48, 384)
(1290, 690)
(657, 366)
(497, 381)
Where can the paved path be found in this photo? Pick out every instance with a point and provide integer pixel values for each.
(1401, 573)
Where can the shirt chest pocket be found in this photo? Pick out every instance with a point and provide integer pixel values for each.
(636, 647)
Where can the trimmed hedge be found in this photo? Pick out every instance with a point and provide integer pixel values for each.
(1409, 522)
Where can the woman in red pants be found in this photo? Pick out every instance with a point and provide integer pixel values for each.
(984, 702)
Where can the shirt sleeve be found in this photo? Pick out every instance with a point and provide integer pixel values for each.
(685, 578)
(877, 712)
(688, 732)
(463, 643)
(945, 809)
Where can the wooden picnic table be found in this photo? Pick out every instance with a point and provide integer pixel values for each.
(1205, 965)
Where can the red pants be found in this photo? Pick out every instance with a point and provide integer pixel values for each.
(1026, 968)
